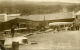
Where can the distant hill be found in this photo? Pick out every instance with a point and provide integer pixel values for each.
(54, 3)
(38, 3)
(27, 7)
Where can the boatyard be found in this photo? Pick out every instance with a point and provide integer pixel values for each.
(39, 25)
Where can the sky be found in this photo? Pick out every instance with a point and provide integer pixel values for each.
(70, 1)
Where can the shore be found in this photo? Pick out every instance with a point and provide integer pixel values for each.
(50, 40)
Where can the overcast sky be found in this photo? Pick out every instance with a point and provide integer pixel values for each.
(71, 1)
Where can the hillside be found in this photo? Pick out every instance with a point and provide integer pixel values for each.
(27, 7)
(54, 3)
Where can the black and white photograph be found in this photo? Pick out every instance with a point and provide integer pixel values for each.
(39, 24)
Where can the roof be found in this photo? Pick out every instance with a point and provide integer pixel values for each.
(60, 23)
(7, 25)
(13, 15)
(78, 13)
(17, 20)
(62, 20)
(40, 17)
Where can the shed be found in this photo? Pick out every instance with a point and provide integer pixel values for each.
(8, 24)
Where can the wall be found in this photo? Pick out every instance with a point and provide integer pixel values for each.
(3, 17)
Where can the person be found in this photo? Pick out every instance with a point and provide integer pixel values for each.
(12, 31)
(77, 28)
(55, 28)
(66, 28)
(76, 22)
(71, 27)
(58, 28)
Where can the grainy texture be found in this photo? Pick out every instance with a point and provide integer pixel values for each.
(59, 40)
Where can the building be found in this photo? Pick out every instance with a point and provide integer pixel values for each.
(41, 19)
(3, 17)
(12, 16)
(53, 16)
(77, 18)
(77, 14)
(38, 17)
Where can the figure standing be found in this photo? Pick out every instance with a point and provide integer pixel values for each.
(76, 23)
(12, 31)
